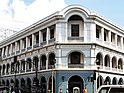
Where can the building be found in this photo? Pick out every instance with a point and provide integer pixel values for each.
(65, 51)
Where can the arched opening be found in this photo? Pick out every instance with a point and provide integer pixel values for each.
(17, 67)
(7, 83)
(75, 82)
(51, 84)
(29, 64)
(7, 68)
(107, 81)
(120, 82)
(23, 86)
(0, 69)
(35, 63)
(35, 81)
(22, 65)
(3, 82)
(114, 81)
(3, 72)
(28, 85)
(120, 64)
(51, 61)
(107, 61)
(76, 59)
(43, 62)
(99, 81)
(43, 84)
(76, 28)
(114, 62)
(16, 84)
(12, 67)
(99, 59)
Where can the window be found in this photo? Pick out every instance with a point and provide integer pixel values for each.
(37, 38)
(118, 40)
(51, 33)
(18, 45)
(13, 47)
(8, 49)
(4, 51)
(44, 36)
(75, 58)
(113, 37)
(106, 35)
(98, 31)
(75, 30)
(24, 42)
(30, 40)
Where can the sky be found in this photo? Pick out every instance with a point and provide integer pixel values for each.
(18, 14)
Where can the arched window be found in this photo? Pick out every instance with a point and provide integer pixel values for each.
(76, 26)
(76, 60)
(7, 68)
(43, 62)
(99, 59)
(114, 62)
(99, 81)
(107, 81)
(22, 65)
(35, 62)
(3, 72)
(114, 81)
(120, 64)
(107, 61)
(52, 60)
(29, 64)
(121, 82)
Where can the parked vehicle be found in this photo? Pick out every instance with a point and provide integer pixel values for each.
(111, 89)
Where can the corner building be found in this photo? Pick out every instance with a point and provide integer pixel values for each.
(72, 48)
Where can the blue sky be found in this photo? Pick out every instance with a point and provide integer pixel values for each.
(17, 14)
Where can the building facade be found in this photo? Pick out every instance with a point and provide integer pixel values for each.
(65, 51)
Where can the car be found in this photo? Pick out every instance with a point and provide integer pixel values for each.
(111, 89)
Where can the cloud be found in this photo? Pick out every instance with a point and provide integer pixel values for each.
(17, 14)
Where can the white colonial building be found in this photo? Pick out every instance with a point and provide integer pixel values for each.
(65, 51)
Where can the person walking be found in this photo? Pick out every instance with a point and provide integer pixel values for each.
(85, 90)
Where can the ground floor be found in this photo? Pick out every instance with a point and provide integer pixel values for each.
(60, 81)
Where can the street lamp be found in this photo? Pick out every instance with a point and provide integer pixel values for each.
(98, 67)
(54, 61)
(36, 88)
(15, 68)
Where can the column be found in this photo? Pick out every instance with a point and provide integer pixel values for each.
(109, 36)
(26, 43)
(39, 37)
(16, 47)
(32, 40)
(122, 43)
(48, 35)
(116, 40)
(21, 44)
(102, 34)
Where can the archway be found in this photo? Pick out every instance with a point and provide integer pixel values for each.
(107, 81)
(75, 82)
(51, 84)
(99, 81)
(114, 81)
(120, 82)
(28, 85)
(43, 84)
(23, 86)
